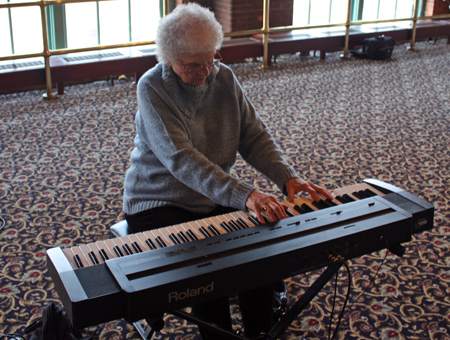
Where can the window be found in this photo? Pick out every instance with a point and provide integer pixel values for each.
(111, 22)
(17, 37)
(322, 12)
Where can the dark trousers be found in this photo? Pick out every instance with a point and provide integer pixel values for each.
(255, 305)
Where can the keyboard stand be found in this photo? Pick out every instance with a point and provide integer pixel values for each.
(285, 321)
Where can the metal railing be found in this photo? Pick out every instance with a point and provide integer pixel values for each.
(265, 31)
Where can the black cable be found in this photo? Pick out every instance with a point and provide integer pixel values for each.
(347, 297)
(376, 274)
(334, 304)
(339, 258)
(12, 336)
(3, 223)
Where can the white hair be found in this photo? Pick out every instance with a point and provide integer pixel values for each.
(190, 29)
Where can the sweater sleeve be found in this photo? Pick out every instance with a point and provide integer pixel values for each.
(258, 146)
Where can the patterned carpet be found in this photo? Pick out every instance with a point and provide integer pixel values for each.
(338, 122)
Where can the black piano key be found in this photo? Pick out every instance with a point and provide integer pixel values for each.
(341, 199)
(213, 230)
(103, 255)
(174, 239)
(150, 244)
(307, 208)
(204, 232)
(161, 243)
(182, 237)
(226, 227)
(348, 198)
(191, 235)
(242, 223)
(359, 194)
(136, 247)
(78, 261)
(289, 213)
(127, 249)
(118, 251)
(330, 202)
(320, 204)
(93, 258)
(253, 220)
(299, 209)
(345, 198)
(370, 193)
(234, 225)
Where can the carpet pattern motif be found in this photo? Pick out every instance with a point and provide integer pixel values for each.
(63, 164)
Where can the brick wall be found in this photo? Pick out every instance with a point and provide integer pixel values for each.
(436, 7)
(238, 15)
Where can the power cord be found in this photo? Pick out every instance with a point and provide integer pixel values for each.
(341, 259)
(371, 281)
(376, 274)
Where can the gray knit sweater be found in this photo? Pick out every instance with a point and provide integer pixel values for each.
(187, 141)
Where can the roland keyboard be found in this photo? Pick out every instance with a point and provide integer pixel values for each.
(146, 274)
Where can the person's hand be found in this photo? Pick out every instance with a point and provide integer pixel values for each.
(295, 185)
(265, 206)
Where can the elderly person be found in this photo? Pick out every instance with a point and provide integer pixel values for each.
(192, 120)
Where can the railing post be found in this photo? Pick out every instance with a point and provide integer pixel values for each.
(266, 5)
(48, 72)
(414, 25)
(347, 29)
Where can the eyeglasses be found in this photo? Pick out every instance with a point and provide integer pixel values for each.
(193, 67)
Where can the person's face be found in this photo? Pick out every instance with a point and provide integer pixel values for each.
(194, 69)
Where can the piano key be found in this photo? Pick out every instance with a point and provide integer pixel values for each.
(79, 257)
(104, 251)
(159, 238)
(191, 230)
(93, 258)
(138, 243)
(254, 220)
(191, 235)
(70, 256)
(89, 255)
(204, 232)
(101, 253)
(112, 247)
(213, 229)
(320, 204)
(149, 240)
(243, 219)
(217, 223)
(229, 221)
(182, 237)
(119, 248)
(330, 202)
(235, 225)
(178, 233)
(171, 233)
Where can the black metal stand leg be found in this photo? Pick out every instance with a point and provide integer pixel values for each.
(301, 304)
(208, 325)
(154, 324)
(146, 334)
